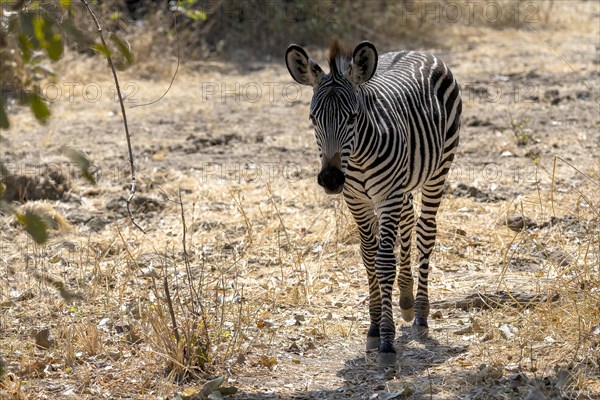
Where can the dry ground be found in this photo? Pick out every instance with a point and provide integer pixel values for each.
(275, 261)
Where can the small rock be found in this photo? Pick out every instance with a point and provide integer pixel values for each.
(464, 331)
(299, 318)
(518, 380)
(560, 258)
(211, 386)
(487, 337)
(104, 324)
(294, 348)
(114, 354)
(501, 78)
(581, 95)
(551, 94)
(535, 394)
(563, 379)
(477, 328)
(518, 222)
(44, 339)
(26, 295)
(310, 345)
(512, 368)
(405, 392)
(507, 331)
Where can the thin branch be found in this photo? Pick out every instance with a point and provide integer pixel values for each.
(176, 68)
(186, 257)
(127, 134)
(171, 311)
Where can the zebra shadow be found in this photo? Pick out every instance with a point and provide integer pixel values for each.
(364, 379)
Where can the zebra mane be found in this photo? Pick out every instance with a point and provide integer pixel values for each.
(339, 58)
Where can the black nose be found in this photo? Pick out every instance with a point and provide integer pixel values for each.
(331, 179)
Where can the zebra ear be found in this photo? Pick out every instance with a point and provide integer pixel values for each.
(302, 68)
(364, 63)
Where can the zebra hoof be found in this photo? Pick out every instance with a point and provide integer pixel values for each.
(420, 328)
(408, 314)
(387, 359)
(373, 343)
(387, 355)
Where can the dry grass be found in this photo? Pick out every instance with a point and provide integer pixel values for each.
(259, 257)
(557, 336)
(266, 264)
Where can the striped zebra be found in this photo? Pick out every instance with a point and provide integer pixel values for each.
(385, 126)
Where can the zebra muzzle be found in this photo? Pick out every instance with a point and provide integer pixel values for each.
(331, 179)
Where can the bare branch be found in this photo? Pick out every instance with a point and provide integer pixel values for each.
(127, 134)
(176, 68)
(171, 311)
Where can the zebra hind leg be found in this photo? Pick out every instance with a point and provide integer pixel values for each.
(405, 278)
(426, 235)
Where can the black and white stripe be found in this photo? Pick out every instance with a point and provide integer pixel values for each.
(385, 127)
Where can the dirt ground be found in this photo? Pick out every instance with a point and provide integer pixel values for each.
(276, 259)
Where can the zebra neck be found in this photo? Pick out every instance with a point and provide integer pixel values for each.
(367, 140)
(377, 130)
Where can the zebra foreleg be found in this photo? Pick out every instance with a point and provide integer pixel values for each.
(373, 335)
(385, 270)
(368, 226)
(368, 249)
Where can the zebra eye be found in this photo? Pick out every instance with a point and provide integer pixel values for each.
(312, 118)
(351, 119)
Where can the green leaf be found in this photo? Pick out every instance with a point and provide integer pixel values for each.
(34, 225)
(65, 3)
(102, 49)
(53, 44)
(4, 124)
(48, 39)
(196, 15)
(27, 27)
(123, 48)
(75, 33)
(82, 160)
(39, 107)
(26, 47)
(38, 29)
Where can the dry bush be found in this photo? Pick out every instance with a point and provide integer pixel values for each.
(260, 30)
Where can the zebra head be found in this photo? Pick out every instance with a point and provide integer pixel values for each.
(335, 104)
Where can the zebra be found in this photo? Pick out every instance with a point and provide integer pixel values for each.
(385, 126)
